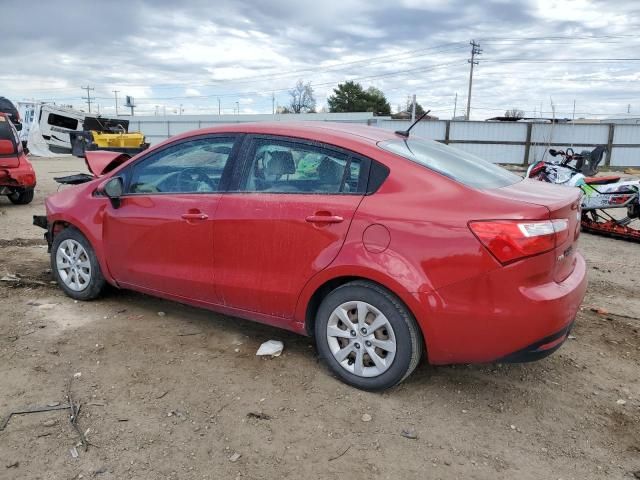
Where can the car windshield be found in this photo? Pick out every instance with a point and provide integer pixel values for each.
(454, 163)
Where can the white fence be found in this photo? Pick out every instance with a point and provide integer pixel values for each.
(500, 142)
(524, 143)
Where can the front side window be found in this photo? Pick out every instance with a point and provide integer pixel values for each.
(288, 167)
(193, 166)
(454, 163)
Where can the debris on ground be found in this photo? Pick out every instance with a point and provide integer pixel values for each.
(621, 402)
(410, 434)
(74, 452)
(10, 278)
(259, 415)
(13, 465)
(235, 457)
(22, 411)
(366, 417)
(73, 418)
(161, 314)
(271, 348)
(341, 454)
(50, 423)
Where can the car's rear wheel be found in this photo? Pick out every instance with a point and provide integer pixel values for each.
(367, 337)
(22, 197)
(75, 266)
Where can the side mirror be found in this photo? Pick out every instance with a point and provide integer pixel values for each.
(113, 188)
(18, 126)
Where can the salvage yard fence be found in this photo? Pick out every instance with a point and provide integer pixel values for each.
(517, 143)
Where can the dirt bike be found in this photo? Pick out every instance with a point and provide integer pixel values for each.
(601, 195)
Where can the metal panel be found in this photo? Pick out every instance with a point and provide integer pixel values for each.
(592, 134)
(489, 131)
(625, 157)
(625, 134)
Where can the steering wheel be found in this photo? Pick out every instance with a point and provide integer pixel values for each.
(187, 176)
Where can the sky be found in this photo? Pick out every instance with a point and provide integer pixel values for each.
(196, 56)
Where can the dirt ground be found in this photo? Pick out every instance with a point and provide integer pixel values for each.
(171, 395)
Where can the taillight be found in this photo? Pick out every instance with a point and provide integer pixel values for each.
(511, 240)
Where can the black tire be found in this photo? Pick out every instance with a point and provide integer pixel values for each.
(408, 337)
(22, 197)
(96, 284)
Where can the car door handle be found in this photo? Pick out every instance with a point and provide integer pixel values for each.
(194, 216)
(324, 219)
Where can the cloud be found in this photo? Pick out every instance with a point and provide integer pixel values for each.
(164, 53)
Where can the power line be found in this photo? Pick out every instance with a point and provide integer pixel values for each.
(562, 60)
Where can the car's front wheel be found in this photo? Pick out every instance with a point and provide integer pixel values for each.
(75, 266)
(367, 337)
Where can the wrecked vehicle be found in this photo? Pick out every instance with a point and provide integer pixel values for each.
(384, 247)
(17, 177)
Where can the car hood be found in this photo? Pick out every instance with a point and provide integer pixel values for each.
(101, 162)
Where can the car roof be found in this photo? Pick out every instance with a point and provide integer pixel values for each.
(318, 130)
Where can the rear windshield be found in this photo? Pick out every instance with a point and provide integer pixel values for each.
(454, 163)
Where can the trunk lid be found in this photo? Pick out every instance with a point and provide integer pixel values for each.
(562, 203)
(100, 162)
(8, 135)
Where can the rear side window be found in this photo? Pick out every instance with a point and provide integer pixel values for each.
(454, 163)
(290, 167)
(62, 121)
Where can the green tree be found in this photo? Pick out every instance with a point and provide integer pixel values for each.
(378, 103)
(419, 109)
(351, 97)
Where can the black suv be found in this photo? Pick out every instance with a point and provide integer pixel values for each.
(9, 108)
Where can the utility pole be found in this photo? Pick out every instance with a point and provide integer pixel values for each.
(574, 111)
(475, 50)
(88, 97)
(237, 108)
(413, 108)
(273, 103)
(629, 108)
(115, 92)
(219, 109)
(455, 106)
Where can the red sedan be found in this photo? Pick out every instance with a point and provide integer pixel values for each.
(382, 246)
(17, 178)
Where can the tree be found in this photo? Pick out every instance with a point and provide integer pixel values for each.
(419, 109)
(302, 99)
(378, 103)
(351, 97)
(514, 113)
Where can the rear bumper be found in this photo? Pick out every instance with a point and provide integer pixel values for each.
(505, 315)
(20, 178)
(540, 349)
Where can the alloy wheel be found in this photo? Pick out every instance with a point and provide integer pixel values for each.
(361, 339)
(74, 265)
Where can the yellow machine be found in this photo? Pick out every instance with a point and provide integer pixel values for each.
(108, 141)
(106, 134)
